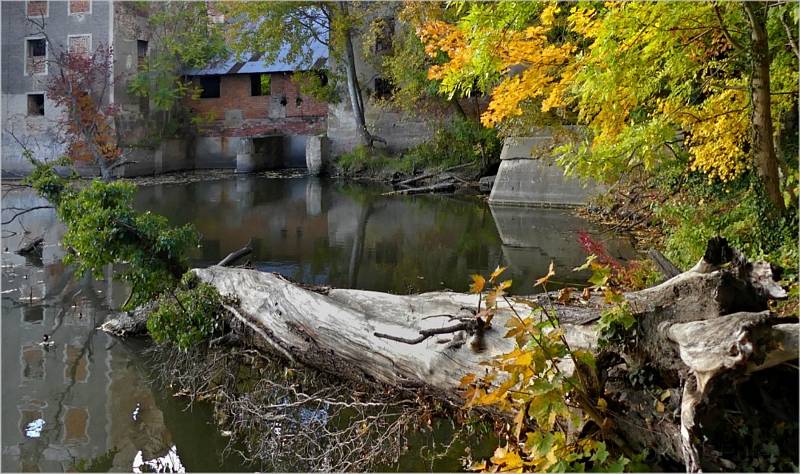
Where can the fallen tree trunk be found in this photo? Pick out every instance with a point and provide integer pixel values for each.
(709, 322)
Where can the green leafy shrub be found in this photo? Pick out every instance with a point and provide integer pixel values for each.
(188, 316)
(363, 160)
(735, 211)
(103, 228)
(460, 141)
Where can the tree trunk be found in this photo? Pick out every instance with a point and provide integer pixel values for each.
(763, 139)
(709, 323)
(354, 91)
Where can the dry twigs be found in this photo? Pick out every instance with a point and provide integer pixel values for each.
(292, 419)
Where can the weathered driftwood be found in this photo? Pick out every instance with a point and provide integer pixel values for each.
(667, 268)
(442, 187)
(408, 182)
(708, 322)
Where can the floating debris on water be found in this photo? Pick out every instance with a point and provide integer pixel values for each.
(34, 428)
(135, 414)
(169, 462)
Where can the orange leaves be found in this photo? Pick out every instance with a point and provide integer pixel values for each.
(543, 280)
(507, 460)
(478, 283)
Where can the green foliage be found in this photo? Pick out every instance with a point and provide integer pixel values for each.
(103, 229)
(187, 316)
(181, 38)
(529, 382)
(615, 325)
(363, 160)
(319, 84)
(736, 211)
(458, 141)
(103, 462)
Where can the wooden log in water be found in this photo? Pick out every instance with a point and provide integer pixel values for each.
(709, 322)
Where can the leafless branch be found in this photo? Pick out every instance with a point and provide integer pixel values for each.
(23, 212)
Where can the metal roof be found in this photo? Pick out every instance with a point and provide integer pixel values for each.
(317, 51)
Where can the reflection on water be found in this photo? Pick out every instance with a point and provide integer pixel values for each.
(70, 405)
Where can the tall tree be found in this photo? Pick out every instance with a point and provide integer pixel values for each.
(718, 78)
(272, 28)
(181, 37)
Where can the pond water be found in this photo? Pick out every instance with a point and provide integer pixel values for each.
(70, 406)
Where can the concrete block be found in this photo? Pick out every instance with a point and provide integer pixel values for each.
(528, 174)
(317, 154)
(539, 183)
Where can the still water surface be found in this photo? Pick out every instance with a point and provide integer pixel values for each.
(86, 387)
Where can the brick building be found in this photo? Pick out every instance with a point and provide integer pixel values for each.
(256, 99)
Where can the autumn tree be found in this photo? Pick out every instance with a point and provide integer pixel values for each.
(718, 79)
(407, 63)
(80, 88)
(273, 28)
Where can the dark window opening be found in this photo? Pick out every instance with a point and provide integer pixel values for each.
(383, 39)
(384, 89)
(141, 50)
(37, 47)
(36, 104)
(284, 101)
(298, 101)
(260, 84)
(210, 87)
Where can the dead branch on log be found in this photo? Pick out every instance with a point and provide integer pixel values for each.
(470, 326)
(667, 268)
(431, 174)
(234, 256)
(23, 212)
(434, 188)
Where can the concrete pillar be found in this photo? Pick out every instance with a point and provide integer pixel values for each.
(246, 156)
(317, 150)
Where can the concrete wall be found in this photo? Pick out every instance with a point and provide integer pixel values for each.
(401, 130)
(528, 174)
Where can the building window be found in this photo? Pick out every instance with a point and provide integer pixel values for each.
(384, 28)
(260, 84)
(36, 56)
(79, 7)
(210, 87)
(35, 104)
(384, 89)
(141, 52)
(79, 44)
(36, 8)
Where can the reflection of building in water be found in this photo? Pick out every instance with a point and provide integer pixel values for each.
(68, 385)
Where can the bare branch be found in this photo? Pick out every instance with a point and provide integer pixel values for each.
(20, 213)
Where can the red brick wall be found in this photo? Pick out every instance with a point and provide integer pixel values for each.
(309, 118)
